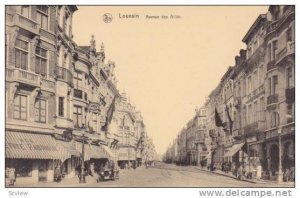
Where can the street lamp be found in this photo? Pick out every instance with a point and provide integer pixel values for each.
(82, 176)
(280, 174)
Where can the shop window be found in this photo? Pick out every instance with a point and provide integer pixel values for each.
(40, 110)
(43, 16)
(21, 54)
(20, 107)
(23, 168)
(41, 61)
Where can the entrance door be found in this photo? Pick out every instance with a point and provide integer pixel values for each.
(274, 154)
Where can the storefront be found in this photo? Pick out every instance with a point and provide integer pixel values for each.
(32, 155)
(127, 157)
(72, 158)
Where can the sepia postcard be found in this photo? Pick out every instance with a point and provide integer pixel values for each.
(103, 96)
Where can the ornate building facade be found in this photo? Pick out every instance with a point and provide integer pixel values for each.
(61, 99)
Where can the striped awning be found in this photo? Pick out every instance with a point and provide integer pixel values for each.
(87, 150)
(31, 146)
(99, 152)
(67, 149)
(234, 149)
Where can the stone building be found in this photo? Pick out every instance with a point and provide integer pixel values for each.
(61, 98)
(255, 100)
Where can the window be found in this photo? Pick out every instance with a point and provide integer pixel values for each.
(261, 75)
(289, 36)
(42, 16)
(21, 54)
(255, 110)
(23, 167)
(40, 110)
(289, 77)
(274, 49)
(20, 107)
(262, 109)
(94, 122)
(25, 11)
(255, 79)
(61, 106)
(274, 85)
(77, 116)
(78, 80)
(274, 119)
(249, 89)
(41, 61)
(249, 114)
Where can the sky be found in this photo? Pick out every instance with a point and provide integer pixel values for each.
(167, 66)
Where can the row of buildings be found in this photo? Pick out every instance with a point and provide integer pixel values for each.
(62, 102)
(250, 115)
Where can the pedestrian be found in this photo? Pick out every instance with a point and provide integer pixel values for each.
(12, 176)
(240, 172)
(57, 174)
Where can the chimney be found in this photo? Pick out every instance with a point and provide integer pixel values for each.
(243, 54)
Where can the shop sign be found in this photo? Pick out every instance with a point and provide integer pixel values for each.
(29, 144)
(94, 107)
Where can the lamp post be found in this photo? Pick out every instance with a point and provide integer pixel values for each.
(82, 176)
(280, 174)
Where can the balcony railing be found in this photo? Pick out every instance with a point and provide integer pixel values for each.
(290, 95)
(272, 99)
(252, 129)
(64, 75)
(23, 76)
(23, 22)
(200, 140)
(287, 50)
(271, 65)
(124, 127)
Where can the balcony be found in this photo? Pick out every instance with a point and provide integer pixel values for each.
(16, 19)
(288, 129)
(290, 95)
(23, 76)
(272, 99)
(271, 65)
(124, 128)
(289, 49)
(199, 141)
(252, 129)
(64, 75)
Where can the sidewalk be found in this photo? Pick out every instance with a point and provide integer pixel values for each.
(255, 181)
(66, 182)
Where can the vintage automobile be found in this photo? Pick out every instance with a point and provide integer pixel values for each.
(108, 174)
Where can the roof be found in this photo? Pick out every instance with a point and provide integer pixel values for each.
(254, 25)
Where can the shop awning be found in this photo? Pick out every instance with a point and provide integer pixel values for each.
(232, 150)
(68, 148)
(31, 146)
(99, 152)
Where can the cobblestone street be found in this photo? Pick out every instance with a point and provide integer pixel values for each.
(164, 175)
